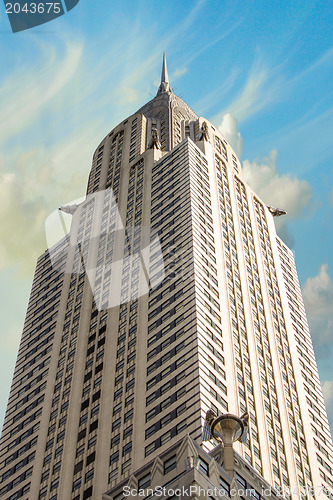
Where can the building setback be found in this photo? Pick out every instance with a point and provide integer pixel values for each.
(185, 470)
(171, 295)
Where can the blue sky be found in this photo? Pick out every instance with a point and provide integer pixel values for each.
(260, 71)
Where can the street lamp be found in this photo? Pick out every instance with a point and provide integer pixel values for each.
(227, 429)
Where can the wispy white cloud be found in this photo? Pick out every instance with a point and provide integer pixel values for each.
(36, 179)
(229, 25)
(229, 128)
(250, 100)
(266, 85)
(262, 87)
(318, 292)
(22, 97)
(10, 343)
(208, 101)
(40, 172)
(282, 191)
(318, 299)
(27, 195)
(178, 73)
(324, 59)
(315, 127)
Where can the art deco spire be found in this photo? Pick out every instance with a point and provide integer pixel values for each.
(165, 86)
(165, 76)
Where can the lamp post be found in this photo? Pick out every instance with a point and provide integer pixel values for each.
(228, 429)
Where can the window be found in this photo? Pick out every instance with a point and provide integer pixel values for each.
(149, 449)
(144, 481)
(165, 387)
(119, 379)
(113, 475)
(83, 419)
(92, 441)
(45, 475)
(224, 485)
(93, 426)
(127, 448)
(128, 431)
(128, 415)
(165, 438)
(241, 481)
(80, 450)
(170, 464)
(58, 451)
(117, 408)
(180, 393)
(116, 424)
(61, 436)
(118, 393)
(120, 365)
(150, 414)
(77, 484)
(82, 434)
(43, 492)
(91, 458)
(164, 373)
(120, 496)
(130, 384)
(165, 403)
(129, 400)
(89, 475)
(181, 427)
(47, 459)
(130, 371)
(56, 467)
(181, 409)
(126, 466)
(150, 398)
(131, 357)
(114, 457)
(203, 466)
(165, 420)
(151, 383)
(78, 467)
(115, 440)
(49, 444)
(150, 431)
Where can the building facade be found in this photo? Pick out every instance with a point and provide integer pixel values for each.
(185, 470)
(171, 295)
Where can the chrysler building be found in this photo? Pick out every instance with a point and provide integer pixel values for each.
(171, 295)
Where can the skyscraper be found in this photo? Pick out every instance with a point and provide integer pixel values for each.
(171, 295)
